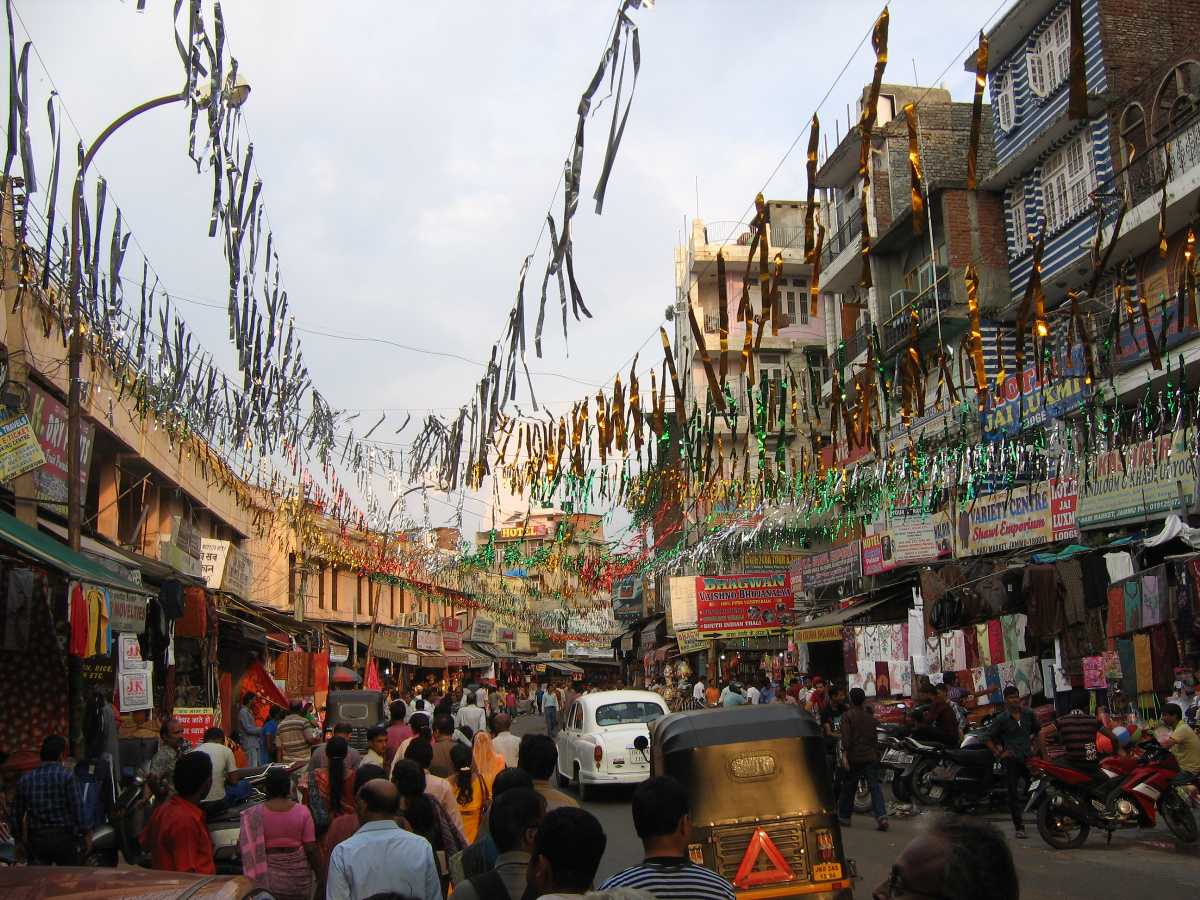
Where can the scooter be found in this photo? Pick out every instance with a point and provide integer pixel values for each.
(1129, 792)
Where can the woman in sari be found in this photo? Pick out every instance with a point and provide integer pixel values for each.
(278, 842)
(488, 762)
(335, 781)
(470, 790)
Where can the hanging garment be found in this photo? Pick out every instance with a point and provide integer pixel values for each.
(1095, 581)
(1070, 576)
(849, 655)
(855, 680)
(1093, 629)
(995, 642)
(1012, 642)
(902, 675)
(1128, 668)
(933, 653)
(916, 631)
(883, 679)
(947, 651)
(985, 647)
(1143, 663)
(995, 687)
(1042, 599)
(901, 648)
(1093, 673)
(1029, 676)
(1008, 674)
(971, 640)
(1116, 610)
(1112, 665)
(78, 645)
(1014, 591)
(979, 679)
(1133, 604)
(99, 641)
(992, 595)
(1119, 565)
(16, 610)
(1153, 597)
(958, 650)
(1164, 656)
(1047, 669)
(860, 645)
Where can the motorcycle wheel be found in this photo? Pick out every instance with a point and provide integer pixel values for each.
(862, 797)
(901, 789)
(1061, 830)
(924, 790)
(1178, 815)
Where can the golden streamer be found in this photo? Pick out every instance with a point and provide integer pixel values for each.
(879, 40)
(1162, 206)
(714, 387)
(976, 333)
(670, 360)
(1151, 343)
(635, 408)
(1189, 276)
(914, 169)
(722, 311)
(810, 209)
(1077, 105)
(981, 68)
(814, 281)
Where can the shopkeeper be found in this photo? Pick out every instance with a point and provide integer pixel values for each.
(1183, 740)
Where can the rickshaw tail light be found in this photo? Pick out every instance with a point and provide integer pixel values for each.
(598, 754)
(825, 845)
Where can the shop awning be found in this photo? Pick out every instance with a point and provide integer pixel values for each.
(459, 660)
(564, 667)
(385, 647)
(839, 616)
(596, 661)
(484, 648)
(433, 661)
(150, 568)
(650, 632)
(58, 555)
(476, 660)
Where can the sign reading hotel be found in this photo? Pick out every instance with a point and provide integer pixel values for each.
(833, 566)
(1155, 476)
(517, 532)
(1007, 520)
(743, 604)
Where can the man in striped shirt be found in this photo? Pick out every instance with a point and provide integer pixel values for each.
(661, 819)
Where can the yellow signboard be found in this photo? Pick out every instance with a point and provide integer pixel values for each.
(818, 635)
(20, 451)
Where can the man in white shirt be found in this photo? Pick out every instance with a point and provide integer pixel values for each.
(506, 743)
(473, 715)
(381, 857)
(224, 766)
(419, 705)
(698, 692)
(752, 694)
(550, 709)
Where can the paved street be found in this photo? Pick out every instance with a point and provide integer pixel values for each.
(1152, 860)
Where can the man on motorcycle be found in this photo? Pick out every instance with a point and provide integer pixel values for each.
(1183, 741)
(1010, 737)
(939, 723)
(1077, 732)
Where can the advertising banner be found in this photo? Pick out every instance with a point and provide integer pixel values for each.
(690, 642)
(19, 448)
(833, 566)
(778, 561)
(48, 418)
(1023, 403)
(482, 629)
(743, 604)
(135, 692)
(1149, 483)
(877, 553)
(1064, 501)
(225, 567)
(195, 721)
(1007, 520)
(127, 612)
(683, 602)
(429, 641)
(819, 635)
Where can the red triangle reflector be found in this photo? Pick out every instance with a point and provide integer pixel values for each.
(748, 876)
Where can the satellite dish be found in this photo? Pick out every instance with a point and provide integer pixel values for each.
(670, 314)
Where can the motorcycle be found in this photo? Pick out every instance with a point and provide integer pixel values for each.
(1070, 802)
(894, 762)
(939, 773)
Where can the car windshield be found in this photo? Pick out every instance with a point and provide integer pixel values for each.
(628, 713)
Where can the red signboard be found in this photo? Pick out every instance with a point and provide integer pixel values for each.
(743, 604)
(452, 633)
(195, 721)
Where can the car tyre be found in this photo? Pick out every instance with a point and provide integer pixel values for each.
(563, 780)
(585, 791)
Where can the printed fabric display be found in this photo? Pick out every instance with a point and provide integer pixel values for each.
(996, 641)
(985, 647)
(1143, 665)
(1041, 598)
(883, 679)
(1133, 604)
(1116, 610)
(994, 685)
(933, 653)
(1120, 565)
(979, 679)
(849, 654)
(958, 650)
(1029, 676)
(901, 673)
(1008, 674)
(971, 641)
(1153, 595)
(1012, 642)
(1093, 673)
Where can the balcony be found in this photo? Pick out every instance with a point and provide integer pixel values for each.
(846, 235)
(929, 304)
(787, 237)
(857, 343)
(1143, 177)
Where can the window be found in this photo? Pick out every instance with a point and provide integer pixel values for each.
(1068, 180)
(1177, 99)
(1020, 226)
(1049, 59)
(629, 713)
(795, 300)
(1133, 133)
(1002, 88)
(818, 361)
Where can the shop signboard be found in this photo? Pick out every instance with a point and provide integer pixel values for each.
(1064, 502)
(627, 643)
(183, 548)
(100, 671)
(20, 451)
(1144, 481)
(195, 721)
(126, 611)
(833, 566)
(129, 654)
(520, 532)
(135, 693)
(1006, 520)
(505, 635)
(452, 638)
(429, 641)
(878, 555)
(819, 635)
(400, 637)
(1024, 403)
(691, 642)
(338, 653)
(766, 561)
(753, 603)
(588, 651)
(225, 567)
(48, 418)
(482, 630)
(521, 642)
(627, 598)
(683, 602)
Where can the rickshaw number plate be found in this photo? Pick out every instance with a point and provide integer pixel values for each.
(827, 871)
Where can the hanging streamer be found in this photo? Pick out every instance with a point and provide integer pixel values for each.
(914, 169)
(1077, 105)
(879, 40)
(981, 69)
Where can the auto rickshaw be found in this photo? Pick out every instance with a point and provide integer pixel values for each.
(762, 805)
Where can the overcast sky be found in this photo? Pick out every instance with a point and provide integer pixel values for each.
(409, 152)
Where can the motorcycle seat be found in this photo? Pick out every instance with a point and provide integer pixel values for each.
(970, 757)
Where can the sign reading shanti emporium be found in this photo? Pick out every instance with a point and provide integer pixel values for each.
(743, 604)
(1150, 481)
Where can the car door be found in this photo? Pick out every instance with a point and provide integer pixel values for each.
(568, 734)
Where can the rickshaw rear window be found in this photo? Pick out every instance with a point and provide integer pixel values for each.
(629, 713)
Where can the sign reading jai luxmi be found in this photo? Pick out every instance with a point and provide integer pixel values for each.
(743, 604)
(1147, 484)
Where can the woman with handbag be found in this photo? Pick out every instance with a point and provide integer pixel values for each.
(470, 790)
(278, 842)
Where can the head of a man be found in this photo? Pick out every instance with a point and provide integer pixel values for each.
(661, 816)
(1079, 699)
(421, 752)
(171, 733)
(1172, 714)
(857, 697)
(566, 853)
(397, 711)
(248, 698)
(957, 857)
(514, 819)
(501, 722)
(509, 779)
(377, 801)
(837, 693)
(54, 748)
(193, 775)
(443, 726)
(343, 730)
(214, 735)
(538, 756)
(296, 708)
(941, 692)
(1012, 700)
(377, 739)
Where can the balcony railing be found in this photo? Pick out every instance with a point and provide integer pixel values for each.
(787, 237)
(846, 235)
(857, 342)
(1143, 177)
(928, 304)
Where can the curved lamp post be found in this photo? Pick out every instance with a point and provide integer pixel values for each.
(235, 93)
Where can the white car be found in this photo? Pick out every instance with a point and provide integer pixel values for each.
(598, 740)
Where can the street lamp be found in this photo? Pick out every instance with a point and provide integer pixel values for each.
(234, 94)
